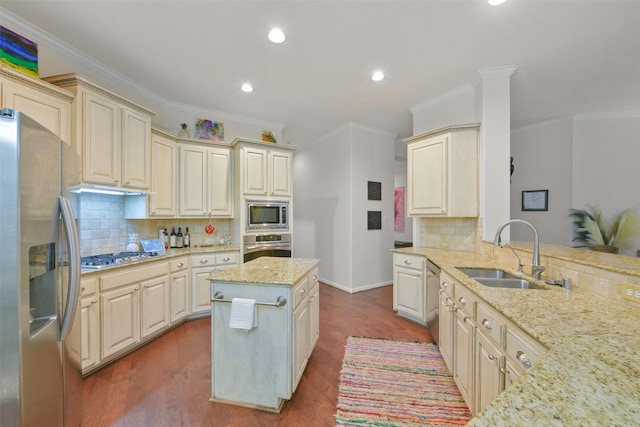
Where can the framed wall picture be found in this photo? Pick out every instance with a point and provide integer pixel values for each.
(535, 200)
(374, 190)
(374, 220)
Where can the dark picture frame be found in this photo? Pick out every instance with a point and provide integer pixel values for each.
(374, 190)
(535, 200)
(374, 220)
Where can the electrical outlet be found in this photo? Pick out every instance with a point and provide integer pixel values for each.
(631, 293)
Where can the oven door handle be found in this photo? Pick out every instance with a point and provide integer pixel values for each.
(256, 248)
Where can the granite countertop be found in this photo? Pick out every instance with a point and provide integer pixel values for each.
(267, 271)
(170, 253)
(591, 374)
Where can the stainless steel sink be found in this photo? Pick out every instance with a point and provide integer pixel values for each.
(487, 272)
(495, 278)
(507, 283)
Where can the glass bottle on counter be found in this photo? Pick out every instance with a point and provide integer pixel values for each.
(179, 238)
(187, 238)
(173, 238)
(165, 238)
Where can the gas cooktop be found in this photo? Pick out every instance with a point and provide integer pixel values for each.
(95, 262)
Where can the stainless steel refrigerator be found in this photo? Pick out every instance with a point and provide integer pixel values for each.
(40, 368)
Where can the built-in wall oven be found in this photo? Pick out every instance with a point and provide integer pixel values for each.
(273, 244)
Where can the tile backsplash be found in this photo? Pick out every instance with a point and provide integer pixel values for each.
(449, 233)
(104, 228)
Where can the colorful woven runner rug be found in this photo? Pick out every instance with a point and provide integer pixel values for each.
(392, 383)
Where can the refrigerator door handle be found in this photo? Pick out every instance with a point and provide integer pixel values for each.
(73, 240)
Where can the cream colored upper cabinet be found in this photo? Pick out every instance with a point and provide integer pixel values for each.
(47, 104)
(219, 179)
(136, 149)
(264, 168)
(111, 133)
(205, 181)
(101, 143)
(164, 176)
(442, 172)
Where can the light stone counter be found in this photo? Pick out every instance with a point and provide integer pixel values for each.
(268, 271)
(591, 374)
(170, 253)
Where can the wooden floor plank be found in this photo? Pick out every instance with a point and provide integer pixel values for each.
(168, 381)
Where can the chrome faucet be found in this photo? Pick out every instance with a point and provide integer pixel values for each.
(536, 268)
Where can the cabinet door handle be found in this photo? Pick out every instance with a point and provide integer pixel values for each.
(315, 278)
(522, 357)
(445, 285)
(95, 300)
(504, 371)
(115, 181)
(465, 318)
(180, 265)
(302, 291)
(406, 261)
(487, 324)
(204, 261)
(137, 288)
(462, 301)
(226, 259)
(491, 357)
(127, 182)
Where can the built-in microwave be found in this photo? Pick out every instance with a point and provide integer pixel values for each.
(267, 215)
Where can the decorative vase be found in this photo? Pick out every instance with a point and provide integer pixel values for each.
(184, 132)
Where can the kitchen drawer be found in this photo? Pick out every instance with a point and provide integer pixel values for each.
(88, 286)
(415, 262)
(465, 300)
(313, 278)
(227, 258)
(446, 285)
(490, 323)
(133, 275)
(522, 349)
(178, 264)
(299, 292)
(203, 260)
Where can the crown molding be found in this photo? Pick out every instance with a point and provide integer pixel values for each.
(492, 73)
(579, 118)
(442, 98)
(30, 31)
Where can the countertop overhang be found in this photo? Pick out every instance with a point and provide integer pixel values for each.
(267, 271)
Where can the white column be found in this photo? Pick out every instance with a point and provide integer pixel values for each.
(492, 97)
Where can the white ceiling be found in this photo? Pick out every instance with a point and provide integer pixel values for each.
(572, 57)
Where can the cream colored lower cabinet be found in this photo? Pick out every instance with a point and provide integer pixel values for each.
(89, 322)
(314, 313)
(463, 344)
(120, 310)
(201, 267)
(179, 289)
(488, 378)
(134, 304)
(155, 305)
(485, 352)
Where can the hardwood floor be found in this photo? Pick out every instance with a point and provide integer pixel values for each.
(168, 381)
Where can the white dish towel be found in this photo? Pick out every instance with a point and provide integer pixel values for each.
(243, 314)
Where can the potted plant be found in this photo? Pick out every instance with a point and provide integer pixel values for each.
(591, 228)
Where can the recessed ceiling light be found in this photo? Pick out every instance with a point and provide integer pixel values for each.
(276, 35)
(246, 87)
(495, 2)
(377, 76)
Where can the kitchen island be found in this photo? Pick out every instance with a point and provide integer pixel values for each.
(259, 364)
